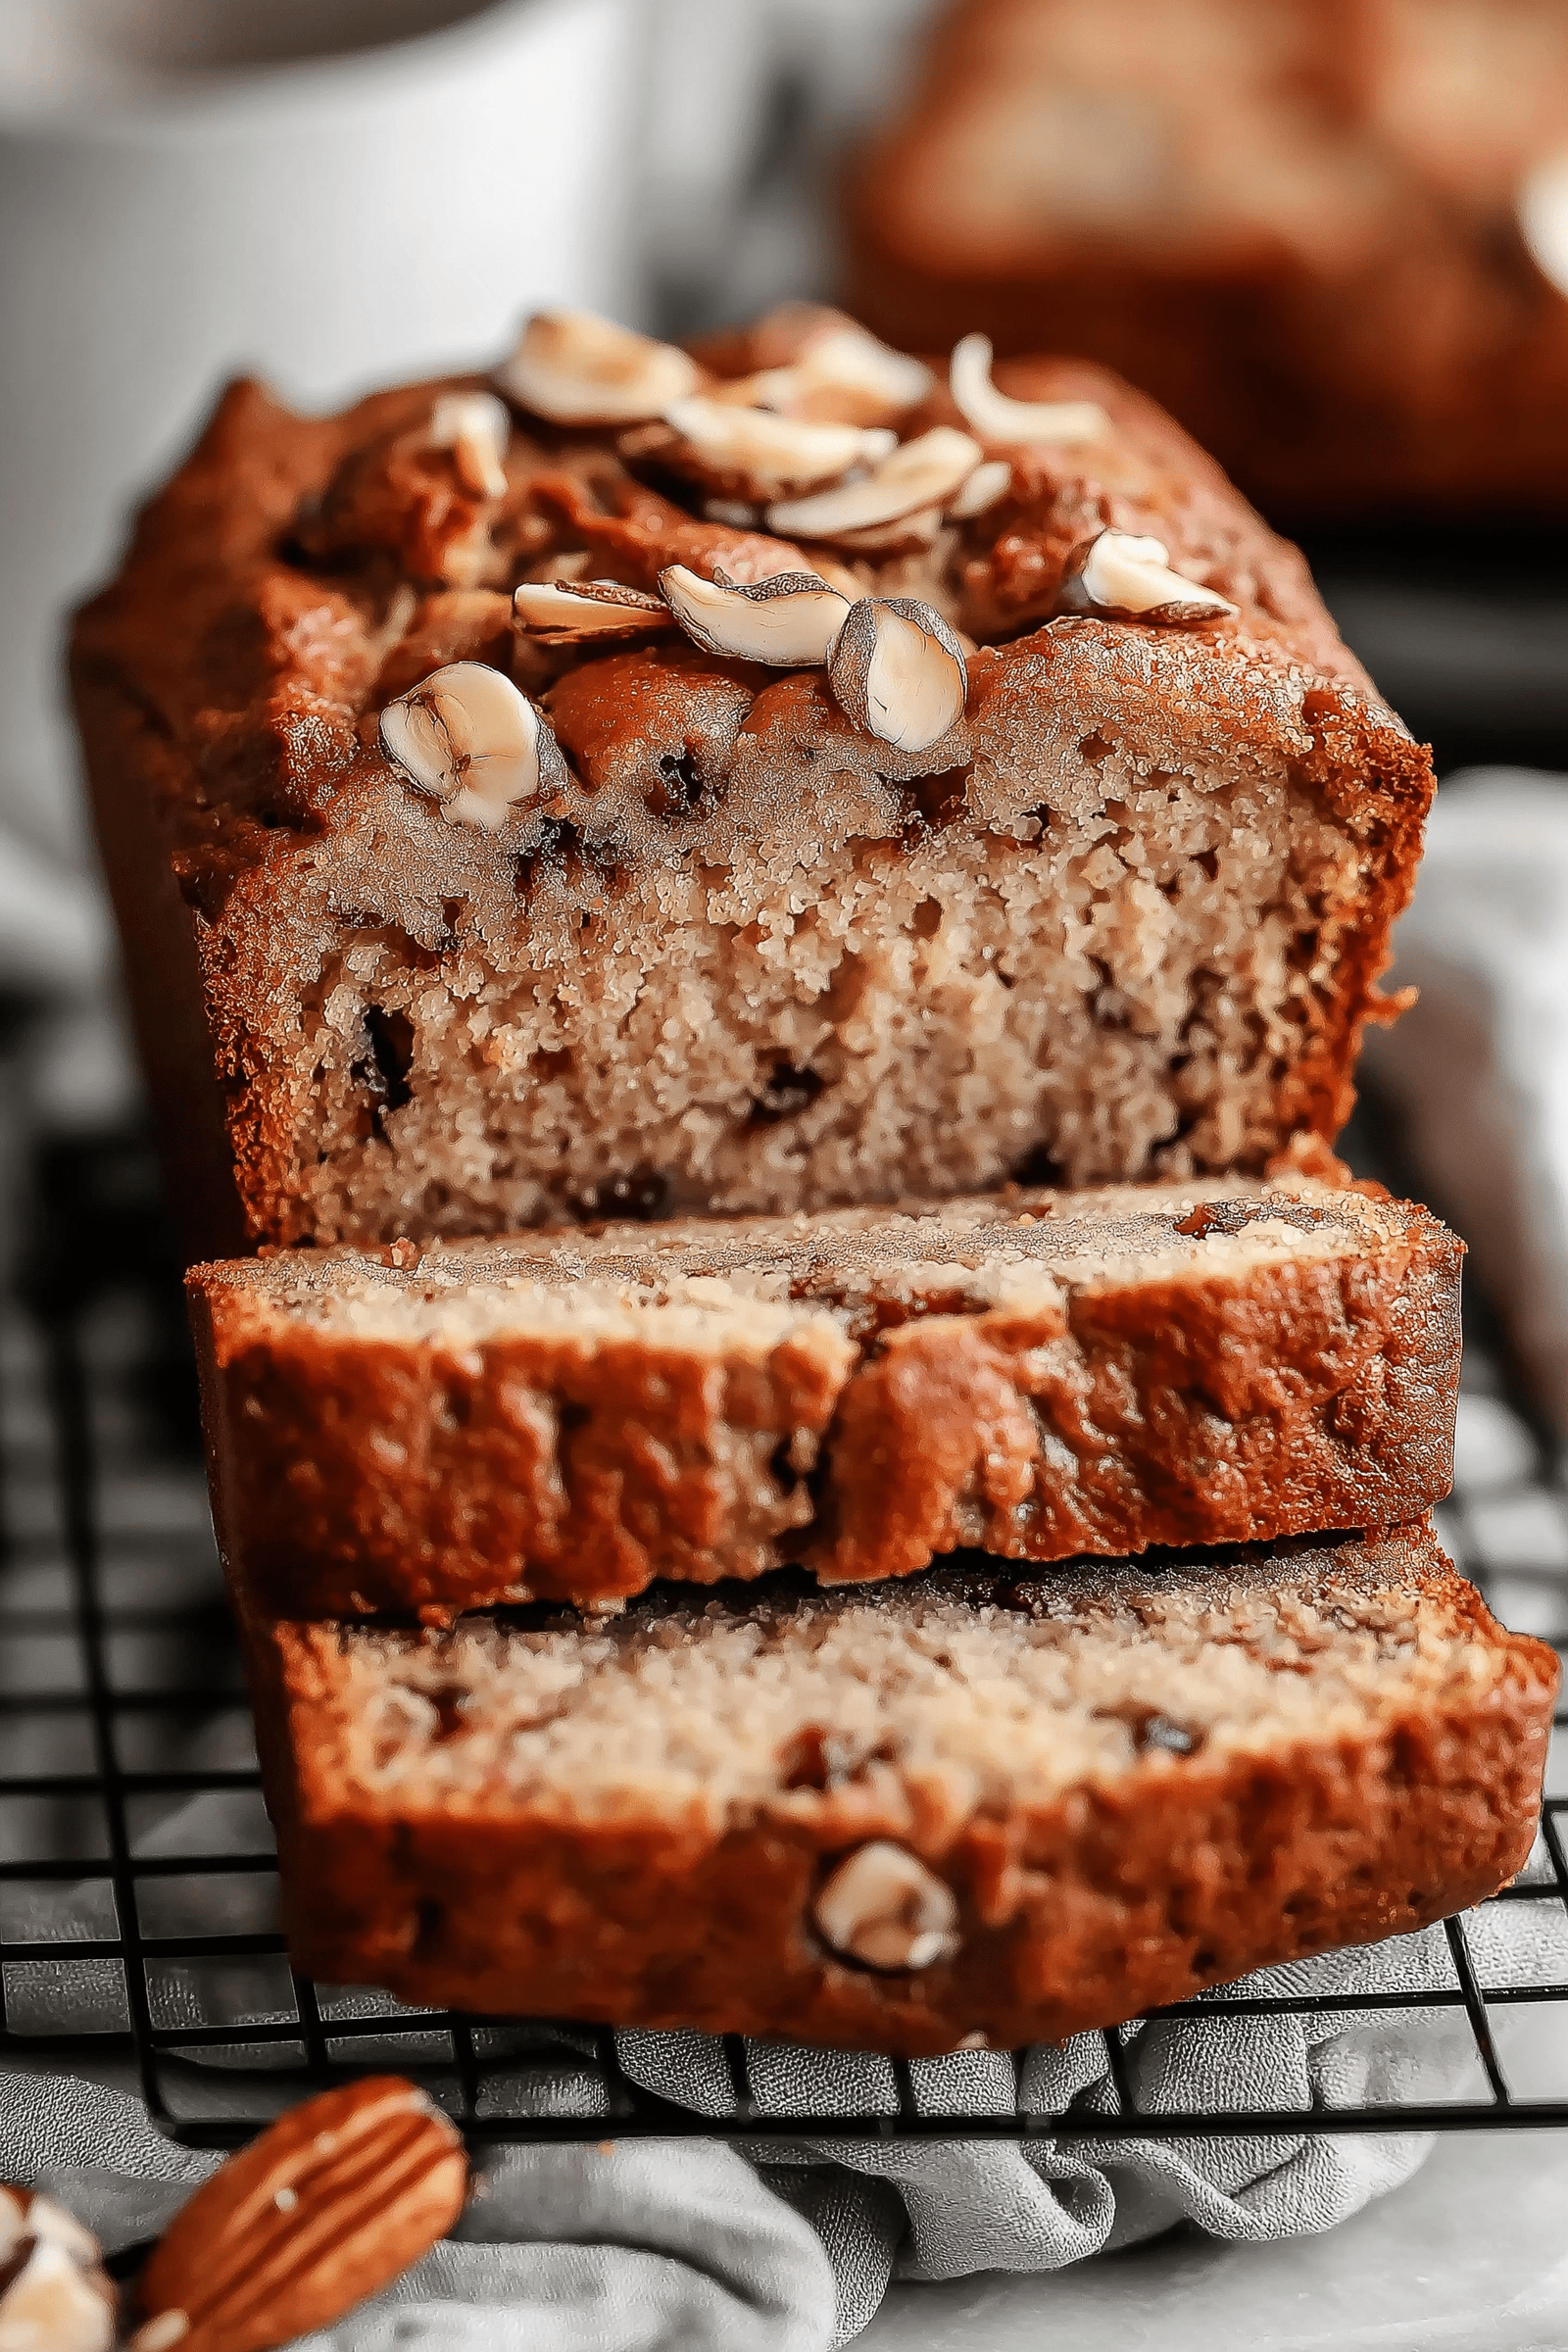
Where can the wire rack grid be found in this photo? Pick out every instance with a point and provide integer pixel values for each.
(138, 1919)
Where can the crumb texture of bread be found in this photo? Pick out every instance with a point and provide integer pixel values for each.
(1125, 922)
(1309, 244)
(1131, 1782)
(575, 1414)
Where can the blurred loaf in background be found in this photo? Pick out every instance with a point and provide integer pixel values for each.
(1329, 235)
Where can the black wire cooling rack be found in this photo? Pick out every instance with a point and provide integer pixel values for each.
(138, 1936)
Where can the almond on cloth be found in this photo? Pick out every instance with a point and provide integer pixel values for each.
(333, 2201)
(54, 2295)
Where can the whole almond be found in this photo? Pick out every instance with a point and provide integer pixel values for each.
(332, 2201)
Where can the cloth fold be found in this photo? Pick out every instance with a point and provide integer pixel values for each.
(769, 2245)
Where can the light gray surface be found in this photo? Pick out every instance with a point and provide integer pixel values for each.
(1471, 2254)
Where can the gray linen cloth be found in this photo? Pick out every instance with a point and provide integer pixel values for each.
(1479, 1067)
(618, 2247)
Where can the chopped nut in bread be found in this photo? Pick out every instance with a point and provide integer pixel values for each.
(468, 737)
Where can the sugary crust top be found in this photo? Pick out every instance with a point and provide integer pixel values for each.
(1026, 1248)
(299, 574)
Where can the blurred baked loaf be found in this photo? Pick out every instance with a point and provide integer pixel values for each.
(907, 1817)
(1314, 228)
(754, 938)
(573, 1416)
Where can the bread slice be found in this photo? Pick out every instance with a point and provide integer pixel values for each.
(1124, 919)
(907, 1818)
(573, 1416)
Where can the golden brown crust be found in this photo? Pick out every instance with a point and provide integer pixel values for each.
(1185, 1393)
(730, 856)
(1077, 1908)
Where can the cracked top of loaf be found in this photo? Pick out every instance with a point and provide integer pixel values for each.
(737, 949)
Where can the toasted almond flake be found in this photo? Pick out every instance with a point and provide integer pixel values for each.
(792, 621)
(924, 473)
(899, 671)
(980, 493)
(996, 417)
(1541, 207)
(1124, 573)
(477, 427)
(469, 738)
(909, 534)
(577, 369)
(842, 370)
(587, 609)
(773, 452)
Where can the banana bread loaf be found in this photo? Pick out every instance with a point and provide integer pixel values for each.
(571, 1415)
(1332, 239)
(905, 1817)
(881, 783)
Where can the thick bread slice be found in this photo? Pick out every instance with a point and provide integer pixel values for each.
(1042, 1374)
(1085, 1794)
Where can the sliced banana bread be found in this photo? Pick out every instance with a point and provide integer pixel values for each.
(574, 1414)
(932, 1813)
(880, 783)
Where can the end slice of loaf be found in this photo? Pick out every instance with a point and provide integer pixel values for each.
(571, 1415)
(908, 1818)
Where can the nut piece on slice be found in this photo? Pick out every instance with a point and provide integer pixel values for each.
(333, 2201)
(842, 371)
(899, 671)
(587, 611)
(468, 737)
(751, 453)
(1122, 574)
(54, 2295)
(576, 368)
(884, 1907)
(924, 473)
(792, 621)
(996, 417)
(477, 427)
(980, 493)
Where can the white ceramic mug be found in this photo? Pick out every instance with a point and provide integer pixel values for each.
(329, 193)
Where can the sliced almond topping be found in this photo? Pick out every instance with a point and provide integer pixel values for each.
(996, 417)
(1122, 574)
(475, 428)
(899, 671)
(884, 1907)
(924, 473)
(986, 486)
(577, 369)
(765, 453)
(589, 611)
(792, 621)
(843, 372)
(908, 536)
(470, 739)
